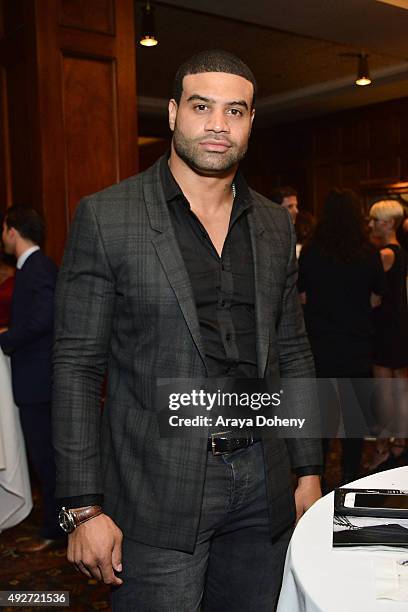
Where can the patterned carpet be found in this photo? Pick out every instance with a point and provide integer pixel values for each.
(51, 571)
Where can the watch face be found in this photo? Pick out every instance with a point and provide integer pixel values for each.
(66, 521)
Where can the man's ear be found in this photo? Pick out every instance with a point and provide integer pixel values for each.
(252, 121)
(173, 108)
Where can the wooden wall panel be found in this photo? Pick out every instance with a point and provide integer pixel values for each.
(324, 179)
(5, 168)
(149, 153)
(383, 132)
(126, 87)
(352, 173)
(404, 127)
(290, 142)
(90, 120)
(18, 129)
(354, 137)
(351, 149)
(71, 98)
(261, 181)
(295, 175)
(326, 140)
(91, 15)
(13, 15)
(387, 168)
(404, 166)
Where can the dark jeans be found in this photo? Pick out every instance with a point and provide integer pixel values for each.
(36, 425)
(235, 567)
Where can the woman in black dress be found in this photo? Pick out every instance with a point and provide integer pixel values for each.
(340, 280)
(391, 324)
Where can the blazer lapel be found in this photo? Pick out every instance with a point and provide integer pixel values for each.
(168, 252)
(261, 250)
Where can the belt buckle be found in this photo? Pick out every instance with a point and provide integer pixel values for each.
(249, 438)
(213, 443)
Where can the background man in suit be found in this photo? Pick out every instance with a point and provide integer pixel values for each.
(29, 342)
(288, 198)
(180, 272)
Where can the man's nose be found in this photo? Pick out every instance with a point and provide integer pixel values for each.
(217, 122)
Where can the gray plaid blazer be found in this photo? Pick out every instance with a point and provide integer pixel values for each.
(125, 305)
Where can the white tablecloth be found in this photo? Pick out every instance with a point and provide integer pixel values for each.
(15, 490)
(319, 578)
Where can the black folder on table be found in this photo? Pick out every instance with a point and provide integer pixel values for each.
(368, 526)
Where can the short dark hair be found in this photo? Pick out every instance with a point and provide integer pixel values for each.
(280, 193)
(27, 221)
(212, 60)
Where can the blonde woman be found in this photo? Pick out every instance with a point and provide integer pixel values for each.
(391, 324)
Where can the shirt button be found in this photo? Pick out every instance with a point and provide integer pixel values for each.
(222, 303)
(228, 337)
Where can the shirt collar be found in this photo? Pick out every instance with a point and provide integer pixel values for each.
(24, 256)
(172, 189)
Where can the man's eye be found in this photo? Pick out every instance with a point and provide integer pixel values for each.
(235, 112)
(201, 107)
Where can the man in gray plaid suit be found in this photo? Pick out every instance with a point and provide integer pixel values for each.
(181, 272)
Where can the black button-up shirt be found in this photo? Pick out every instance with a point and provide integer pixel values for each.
(223, 286)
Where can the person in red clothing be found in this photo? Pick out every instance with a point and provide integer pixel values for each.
(6, 290)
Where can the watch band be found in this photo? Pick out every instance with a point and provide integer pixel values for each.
(84, 514)
(69, 520)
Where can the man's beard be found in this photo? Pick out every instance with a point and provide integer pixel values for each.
(206, 162)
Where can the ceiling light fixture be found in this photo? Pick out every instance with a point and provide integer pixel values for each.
(363, 74)
(148, 37)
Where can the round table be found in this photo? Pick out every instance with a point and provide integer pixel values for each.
(15, 490)
(320, 578)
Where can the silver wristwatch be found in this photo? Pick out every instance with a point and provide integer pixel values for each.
(71, 519)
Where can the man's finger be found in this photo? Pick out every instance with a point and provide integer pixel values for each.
(81, 568)
(93, 570)
(108, 575)
(117, 556)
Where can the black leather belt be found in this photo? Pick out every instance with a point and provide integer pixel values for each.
(223, 442)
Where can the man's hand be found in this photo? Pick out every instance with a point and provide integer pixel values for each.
(307, 492)
(3, 329)
(95, 547)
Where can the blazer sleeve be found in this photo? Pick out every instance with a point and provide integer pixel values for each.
(39, 317)
(83, 320)
(296, 361)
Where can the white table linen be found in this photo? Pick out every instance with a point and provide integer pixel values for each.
(320, 578)
(15, 489)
